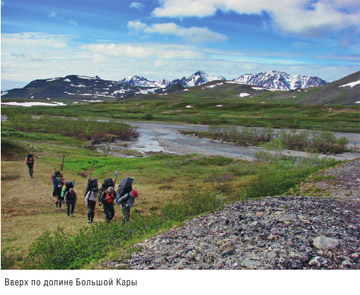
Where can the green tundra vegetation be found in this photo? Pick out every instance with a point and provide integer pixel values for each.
(196, 108)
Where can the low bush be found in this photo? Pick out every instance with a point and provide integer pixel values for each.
(80, 128)
(320, 142)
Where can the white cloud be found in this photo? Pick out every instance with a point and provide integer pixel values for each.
(192, 34)
(30, 56)
(295, 16)
(137, 5)
(120, 50)
(137, 26)
(52, 14)
(33, 40)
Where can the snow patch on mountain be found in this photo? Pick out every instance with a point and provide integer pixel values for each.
(351, 84)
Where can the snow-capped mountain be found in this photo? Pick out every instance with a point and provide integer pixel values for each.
(280, 80)
(135, 80)
(79, 87)
(197, 79)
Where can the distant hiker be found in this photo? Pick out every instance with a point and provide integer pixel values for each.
(126, 202)
(70, 199)
(90, 202)
(107, 199)
(29, 161)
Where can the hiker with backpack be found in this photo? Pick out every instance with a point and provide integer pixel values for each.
(126, 202)
(125, 196)
(107, 182)
(29, 161)
(57, 195)
(90, 202)
(107, 199)
(58, 183)
(70, 199)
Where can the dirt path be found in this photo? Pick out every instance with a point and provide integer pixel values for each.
(27, 206)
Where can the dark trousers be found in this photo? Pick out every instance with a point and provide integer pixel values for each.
(109, 211)
(58, 201)
(31, 170)
(70, 207)
(91, 212)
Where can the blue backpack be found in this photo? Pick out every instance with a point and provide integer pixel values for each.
(125, 187)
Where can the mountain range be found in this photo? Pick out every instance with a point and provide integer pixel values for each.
(80, 87)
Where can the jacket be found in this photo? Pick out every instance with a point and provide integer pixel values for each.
(90, 196)
(70, 196)
(127, 200)
(107, 198)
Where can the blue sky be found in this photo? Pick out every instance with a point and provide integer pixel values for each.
(171, 39)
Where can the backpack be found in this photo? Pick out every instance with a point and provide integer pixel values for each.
(68, 185)
(124, 187)
(56, 175)
(106, 183)
(59, 180)
(91, 185)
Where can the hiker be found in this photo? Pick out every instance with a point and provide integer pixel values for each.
(57, 195)
(70, 199)
(107, 199)
(29, 161)
(126, 202)
(90, 202)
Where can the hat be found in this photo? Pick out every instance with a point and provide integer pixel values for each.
(134, 193)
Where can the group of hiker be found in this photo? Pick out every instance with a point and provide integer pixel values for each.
(64, 192)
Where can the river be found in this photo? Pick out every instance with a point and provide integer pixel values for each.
(165, 137)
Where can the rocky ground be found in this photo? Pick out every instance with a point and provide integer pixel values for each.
(287, 232)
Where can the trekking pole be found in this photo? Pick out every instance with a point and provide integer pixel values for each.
(91, 170)
(116, 175)
(62, 163)
(92, 167)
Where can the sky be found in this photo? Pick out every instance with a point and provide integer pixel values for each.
(169, 39)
